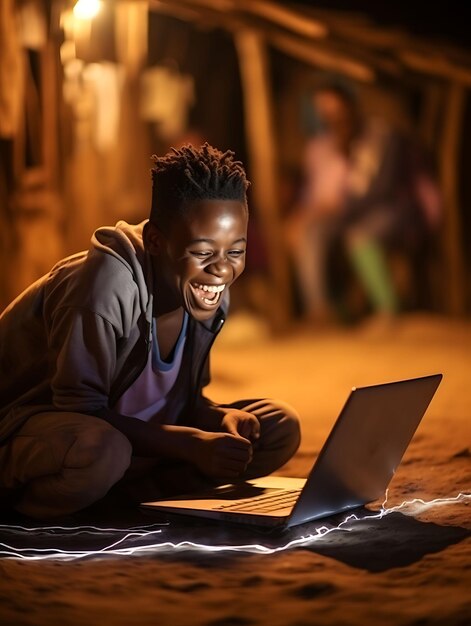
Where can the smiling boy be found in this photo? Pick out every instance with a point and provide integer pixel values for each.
(104, 359)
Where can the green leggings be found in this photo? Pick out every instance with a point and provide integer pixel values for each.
(370, 265)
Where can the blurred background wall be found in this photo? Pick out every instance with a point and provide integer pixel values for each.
(90, 90)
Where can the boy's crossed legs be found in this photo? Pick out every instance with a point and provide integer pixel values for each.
(60, 463)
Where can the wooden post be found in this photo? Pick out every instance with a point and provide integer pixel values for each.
(50, 128)
(431, 111)
(132, 184)
(452, 125)
(262, 153)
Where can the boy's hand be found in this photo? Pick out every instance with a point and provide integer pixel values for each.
(241, 424)
(222, 454)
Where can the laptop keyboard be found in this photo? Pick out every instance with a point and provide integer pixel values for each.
(269, 503)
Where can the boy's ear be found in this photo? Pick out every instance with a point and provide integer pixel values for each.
(152, 238)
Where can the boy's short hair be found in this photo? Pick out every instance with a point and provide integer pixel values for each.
(189, 174)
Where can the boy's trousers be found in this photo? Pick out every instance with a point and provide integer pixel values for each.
(60, 463)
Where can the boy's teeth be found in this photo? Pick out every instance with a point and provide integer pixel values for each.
(210, 288)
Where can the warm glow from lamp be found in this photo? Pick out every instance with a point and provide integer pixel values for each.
(86, 9)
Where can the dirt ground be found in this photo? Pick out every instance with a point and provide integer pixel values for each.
(412, 567)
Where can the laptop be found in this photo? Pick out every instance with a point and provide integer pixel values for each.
(354, 467)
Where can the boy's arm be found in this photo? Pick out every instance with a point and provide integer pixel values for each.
(208, 415)
(153, 440)
(82, 349)
(214, 454)
(216, 418)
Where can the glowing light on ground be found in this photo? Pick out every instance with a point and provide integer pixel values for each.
(118, 547)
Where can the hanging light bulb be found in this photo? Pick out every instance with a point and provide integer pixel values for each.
(86, 9)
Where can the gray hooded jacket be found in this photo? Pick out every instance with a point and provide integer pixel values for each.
(78, 337)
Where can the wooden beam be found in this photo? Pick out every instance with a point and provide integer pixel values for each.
(205, 14)
(437, 66)
(449, 166)
(360, 31)
(326, 59)
(287, 18)
(260, 130)
(174, 10)
(290, 19)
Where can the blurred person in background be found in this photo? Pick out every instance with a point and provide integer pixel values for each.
(367, 192)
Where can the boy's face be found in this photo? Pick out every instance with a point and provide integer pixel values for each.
(200, 255)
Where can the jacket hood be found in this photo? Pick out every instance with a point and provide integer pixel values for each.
(125, 242)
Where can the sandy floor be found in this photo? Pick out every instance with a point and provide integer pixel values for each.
(412, 567)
